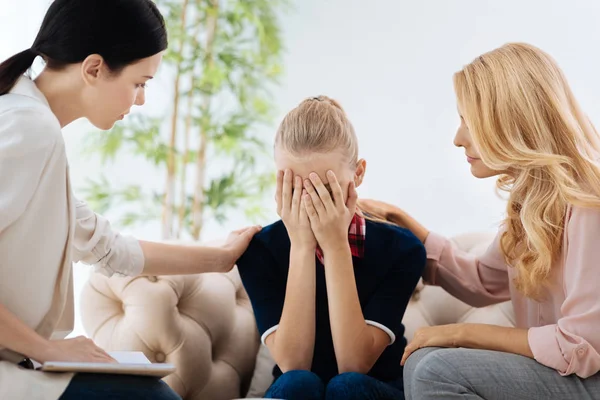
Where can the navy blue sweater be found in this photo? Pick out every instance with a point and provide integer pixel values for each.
(386, 277)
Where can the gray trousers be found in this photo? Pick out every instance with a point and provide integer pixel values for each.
(434, 373)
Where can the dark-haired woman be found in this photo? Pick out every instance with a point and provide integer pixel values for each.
(99, 54)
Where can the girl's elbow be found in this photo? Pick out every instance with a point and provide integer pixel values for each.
(293, 365)
(293, 360)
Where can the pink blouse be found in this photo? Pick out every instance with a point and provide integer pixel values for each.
(564, 328)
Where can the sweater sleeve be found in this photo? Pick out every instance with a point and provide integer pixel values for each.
(572, 345)
(478, 281)
(265, 286)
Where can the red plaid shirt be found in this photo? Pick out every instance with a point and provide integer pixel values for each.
(356, 237)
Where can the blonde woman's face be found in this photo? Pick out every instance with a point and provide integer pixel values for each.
(320, 163)
(463, 139)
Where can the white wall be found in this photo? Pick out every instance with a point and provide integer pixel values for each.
(390, 63)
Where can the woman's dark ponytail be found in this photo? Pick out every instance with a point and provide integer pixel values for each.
(13, 68)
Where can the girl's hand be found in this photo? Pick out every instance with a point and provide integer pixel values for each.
(329, 218)
(434, 336)
(290, 207)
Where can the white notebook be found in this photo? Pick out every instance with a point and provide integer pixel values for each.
(128, 363)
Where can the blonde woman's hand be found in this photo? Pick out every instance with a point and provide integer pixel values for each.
(381, 210)
(434, 336)
(290, 207)
(329, 217)
(79, 349)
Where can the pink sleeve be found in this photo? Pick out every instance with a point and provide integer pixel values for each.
(478, 281)
(571, 345)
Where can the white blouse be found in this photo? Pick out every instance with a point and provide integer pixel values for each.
(43, 231)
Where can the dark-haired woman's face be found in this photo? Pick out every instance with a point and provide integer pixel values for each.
(109, 97)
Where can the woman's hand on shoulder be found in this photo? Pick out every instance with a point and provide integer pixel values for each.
(291, 210)
(395, 215)
(329, 217)
(237, 242)
(79, 349)
(381, 210)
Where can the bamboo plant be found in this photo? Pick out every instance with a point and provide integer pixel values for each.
(224, 57)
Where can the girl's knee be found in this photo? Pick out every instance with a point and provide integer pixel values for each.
(349, 385)
(302, 377)
(347, 379)
(297, 384)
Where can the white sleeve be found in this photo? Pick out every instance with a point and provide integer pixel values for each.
(95, 243)
(26, 145)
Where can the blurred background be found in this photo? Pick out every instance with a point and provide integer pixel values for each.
(196, 161)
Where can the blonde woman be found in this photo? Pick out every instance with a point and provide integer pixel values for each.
(521, 122)
(329, 287)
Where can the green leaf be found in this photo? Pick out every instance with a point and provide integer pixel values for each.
(231, 102)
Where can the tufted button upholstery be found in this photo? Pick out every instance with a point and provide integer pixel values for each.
(203, 324)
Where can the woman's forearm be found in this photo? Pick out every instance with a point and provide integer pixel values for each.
(493, 337)
(15, 335)
(292, 344)
(173, 259)
(352, 339)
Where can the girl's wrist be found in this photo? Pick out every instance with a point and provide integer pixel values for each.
(336, 247)
(303, 246)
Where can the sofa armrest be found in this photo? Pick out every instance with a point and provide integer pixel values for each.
(203, 324)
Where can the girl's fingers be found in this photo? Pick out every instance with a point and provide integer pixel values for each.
(286, 193)
(297, 196)
(336, 189)
(313, 216)
(352, 198)
(315, 199)
(322, 191)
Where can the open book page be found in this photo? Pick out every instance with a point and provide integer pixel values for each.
(128, 363)
(129, 357)
(122, 357)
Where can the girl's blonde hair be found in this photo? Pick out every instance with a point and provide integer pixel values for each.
(525, 122)
(320, 125)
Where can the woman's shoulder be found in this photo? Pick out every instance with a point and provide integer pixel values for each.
(26, 122)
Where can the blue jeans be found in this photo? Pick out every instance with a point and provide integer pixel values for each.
(304, 385)
(117, 387)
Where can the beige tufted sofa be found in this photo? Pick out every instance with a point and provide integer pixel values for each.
(204, 325)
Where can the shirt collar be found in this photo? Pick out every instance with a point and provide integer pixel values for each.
(357, 233)
(27, 87)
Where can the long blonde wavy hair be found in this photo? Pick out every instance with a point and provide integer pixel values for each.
(525, 122)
